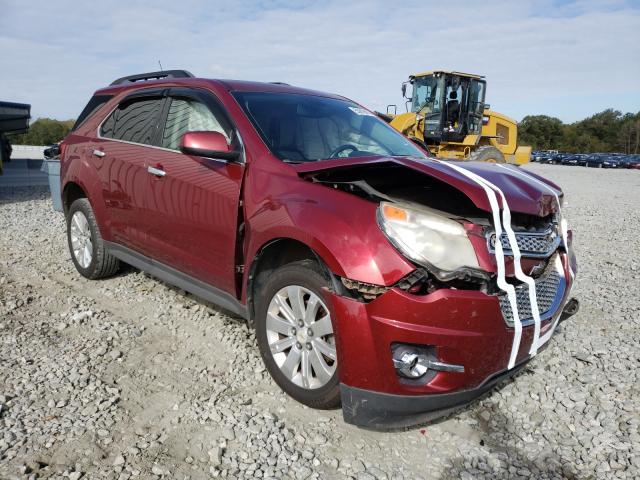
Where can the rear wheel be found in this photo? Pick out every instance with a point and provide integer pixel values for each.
(87, 248)
(295, 334)
(487, 153)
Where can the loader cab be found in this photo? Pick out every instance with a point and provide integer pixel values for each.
(449, 104)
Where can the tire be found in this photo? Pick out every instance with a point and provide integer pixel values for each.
(87, 249)
(487, 153)
(320, 387)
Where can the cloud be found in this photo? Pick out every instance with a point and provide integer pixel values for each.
(567, 59)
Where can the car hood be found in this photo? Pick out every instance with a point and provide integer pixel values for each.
(524, 191)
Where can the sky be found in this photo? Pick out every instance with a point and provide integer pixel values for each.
(568, 59)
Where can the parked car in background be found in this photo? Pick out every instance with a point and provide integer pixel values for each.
(612, 161)
(593, 160)
(537, 156)
(574, 159)
(557, 158)
(632, 161)
(376, 277)
(541, 156)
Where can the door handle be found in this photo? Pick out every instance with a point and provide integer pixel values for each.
(156, 171)
(99, 153)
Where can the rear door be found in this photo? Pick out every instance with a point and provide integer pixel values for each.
(193, 202)
(128, 135)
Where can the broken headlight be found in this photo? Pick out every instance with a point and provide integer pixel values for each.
(427, 238)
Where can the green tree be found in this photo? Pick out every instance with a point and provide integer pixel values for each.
(44, 131)
(540, 131)
(629, 134)
(602, 128)
(606, 131)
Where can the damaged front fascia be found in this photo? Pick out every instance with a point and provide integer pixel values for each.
(371, 182)
(419, 282)
(397, 184)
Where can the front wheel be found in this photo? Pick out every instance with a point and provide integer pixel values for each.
(295, 334)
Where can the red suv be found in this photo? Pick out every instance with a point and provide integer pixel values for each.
(376, 277)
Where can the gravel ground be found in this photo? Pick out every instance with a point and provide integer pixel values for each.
(131, 378)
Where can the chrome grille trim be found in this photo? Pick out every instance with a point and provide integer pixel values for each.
(550, 289)
(536, 244)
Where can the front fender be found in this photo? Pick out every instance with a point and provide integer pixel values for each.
(340, 227)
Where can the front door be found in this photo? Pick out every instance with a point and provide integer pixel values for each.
(193, 201)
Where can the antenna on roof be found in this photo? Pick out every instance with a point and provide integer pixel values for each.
(160, 65)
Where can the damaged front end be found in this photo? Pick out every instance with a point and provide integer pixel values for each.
(402, 196)
(464, 318)
(457, 248)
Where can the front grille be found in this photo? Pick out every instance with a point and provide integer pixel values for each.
(530, 244)
(550, 288)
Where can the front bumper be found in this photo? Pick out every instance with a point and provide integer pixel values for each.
(465, 327)
(378, 410)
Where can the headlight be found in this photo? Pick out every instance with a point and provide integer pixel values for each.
(427, 238)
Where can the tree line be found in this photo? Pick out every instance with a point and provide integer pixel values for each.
(44, 131)
(607, 132)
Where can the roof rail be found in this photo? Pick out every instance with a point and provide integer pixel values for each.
(153, 76)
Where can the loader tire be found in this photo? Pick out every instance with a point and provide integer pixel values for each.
(487, 153)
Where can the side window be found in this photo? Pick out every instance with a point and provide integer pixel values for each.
(92, 107)
(186, 115)
(134, 121)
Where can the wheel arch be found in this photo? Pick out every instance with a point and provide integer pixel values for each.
(282, 251)
(71, 192)
(79, 181)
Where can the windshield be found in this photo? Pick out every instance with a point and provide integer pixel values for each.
(307, 128)
(427, 94)
(427, 100)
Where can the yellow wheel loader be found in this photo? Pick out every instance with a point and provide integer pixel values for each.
(447, 114)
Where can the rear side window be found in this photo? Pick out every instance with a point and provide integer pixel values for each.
(186, 115)
(92, 107)
(135, 121)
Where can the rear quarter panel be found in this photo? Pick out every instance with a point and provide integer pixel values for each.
(77, 167)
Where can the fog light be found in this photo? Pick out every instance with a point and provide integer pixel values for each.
(415, 361)
(410, 362)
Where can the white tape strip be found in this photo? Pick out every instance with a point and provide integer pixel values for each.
(545, 338)
(564, 232)
(563, 222)
(520, 275)
(490, 190)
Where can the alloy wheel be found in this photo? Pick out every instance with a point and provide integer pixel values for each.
(300, 337)
(81, 244)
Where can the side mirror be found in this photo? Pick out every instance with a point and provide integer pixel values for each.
(52, 152)
(207, 144)
(404, 90)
